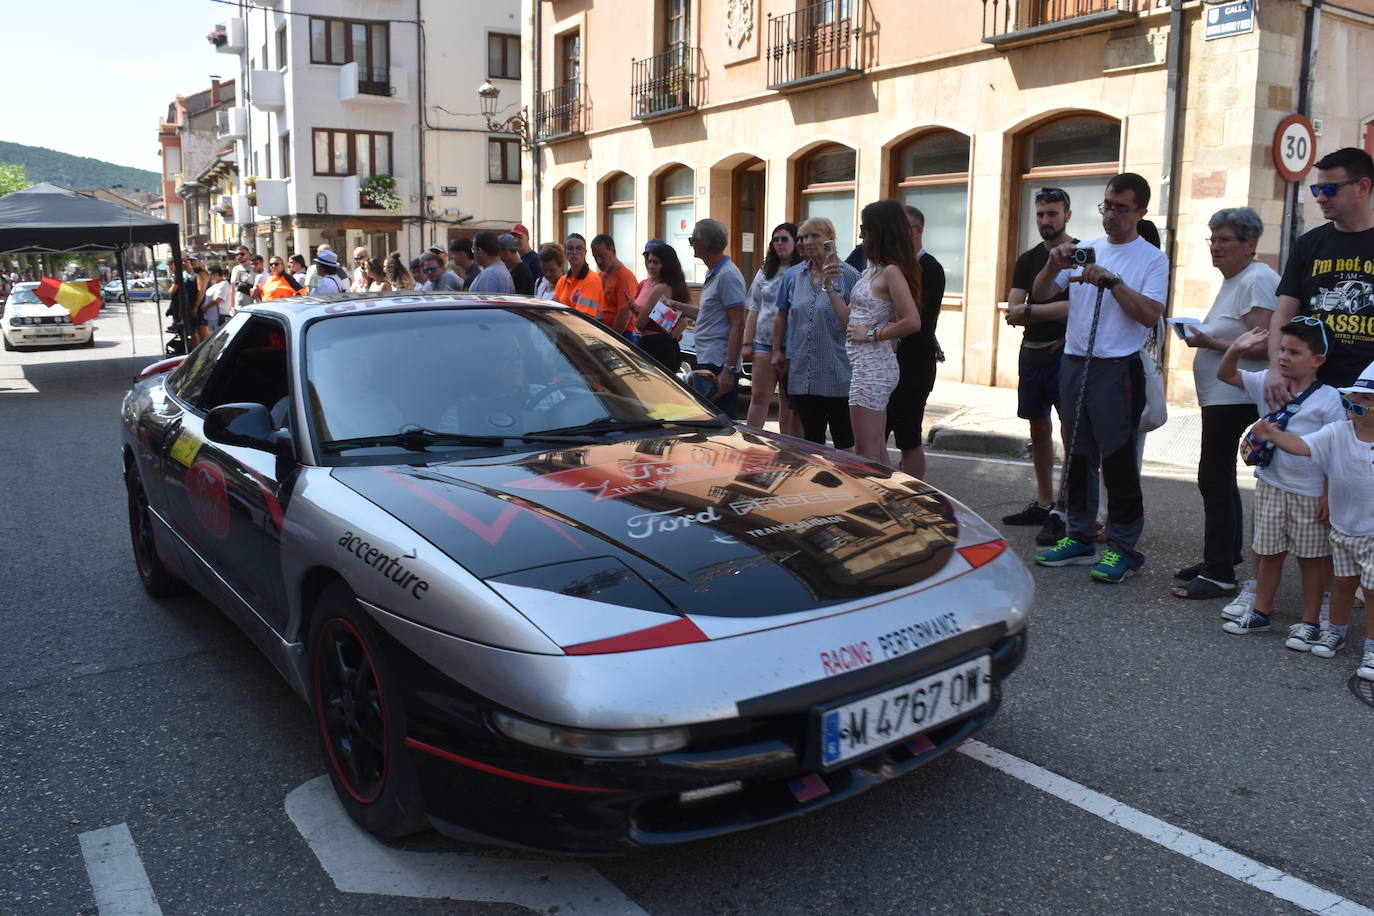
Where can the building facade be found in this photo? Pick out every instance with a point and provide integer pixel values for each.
(358, 123)
(199, 168)
(650, 115)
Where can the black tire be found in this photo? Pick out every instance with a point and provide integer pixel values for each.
(90, 341)
(157, 579)
(360, 719)
(9, 347)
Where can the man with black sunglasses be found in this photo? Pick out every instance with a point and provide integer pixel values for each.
(1330, 272)
(1042, 346)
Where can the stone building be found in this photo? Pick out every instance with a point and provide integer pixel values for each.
(649, 115)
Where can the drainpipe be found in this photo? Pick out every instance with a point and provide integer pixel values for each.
(1172, 153)
(1173, 129)
(420, 113)
(535, 154)
(1292, 195)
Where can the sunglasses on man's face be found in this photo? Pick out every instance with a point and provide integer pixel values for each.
(430, 270)
(1330, 188)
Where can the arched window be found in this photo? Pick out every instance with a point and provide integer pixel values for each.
(572, 216)
(619, 218)
(1077, 155)
(931, 174)
(826, 188)
(677, 213)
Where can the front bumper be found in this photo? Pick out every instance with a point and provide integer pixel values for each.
(47, 335)
(479, 785)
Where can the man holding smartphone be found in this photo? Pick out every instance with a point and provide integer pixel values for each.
(1113, 303)
(1042, 347)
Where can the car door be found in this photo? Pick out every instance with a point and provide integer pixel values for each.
(227, 501)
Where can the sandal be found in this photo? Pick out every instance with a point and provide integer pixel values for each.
(1203, 587)
(1188, 573)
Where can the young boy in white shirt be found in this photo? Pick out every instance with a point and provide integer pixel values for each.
(1345, 451)
(1290, 492)
(216, 305)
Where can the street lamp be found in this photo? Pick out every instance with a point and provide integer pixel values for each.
(517, 124)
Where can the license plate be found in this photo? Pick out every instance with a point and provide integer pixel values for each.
(48, 332)
(885, 718)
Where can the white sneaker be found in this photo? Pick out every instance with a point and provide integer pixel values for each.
(1243, 601)
(1366, 669)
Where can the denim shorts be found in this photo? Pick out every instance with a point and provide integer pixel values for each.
(763, 348)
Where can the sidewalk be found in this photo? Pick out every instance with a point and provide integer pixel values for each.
(979, 418)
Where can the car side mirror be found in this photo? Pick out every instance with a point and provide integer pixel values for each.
(246, 425)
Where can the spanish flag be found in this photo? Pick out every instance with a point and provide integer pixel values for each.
(80, 298)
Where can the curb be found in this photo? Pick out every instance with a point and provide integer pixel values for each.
(954, 439)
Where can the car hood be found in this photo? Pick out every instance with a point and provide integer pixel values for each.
(731, 523)
(34, 310)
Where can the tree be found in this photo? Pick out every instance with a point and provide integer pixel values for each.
(12, 178)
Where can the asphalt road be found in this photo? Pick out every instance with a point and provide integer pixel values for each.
(160, 716)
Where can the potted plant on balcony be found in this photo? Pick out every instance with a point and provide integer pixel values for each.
(380, 190)
(218, 36)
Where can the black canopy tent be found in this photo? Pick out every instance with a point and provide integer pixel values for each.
(46, 219)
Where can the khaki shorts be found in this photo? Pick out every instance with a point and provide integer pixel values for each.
(1353, 555)
(1287, 522)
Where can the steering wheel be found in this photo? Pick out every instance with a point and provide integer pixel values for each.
(547, 390)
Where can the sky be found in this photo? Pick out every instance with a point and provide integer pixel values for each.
(125, 64)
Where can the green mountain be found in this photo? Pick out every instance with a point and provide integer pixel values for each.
(79, 173)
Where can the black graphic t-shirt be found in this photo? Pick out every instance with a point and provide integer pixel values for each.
(1331, 274)
(1030, 263)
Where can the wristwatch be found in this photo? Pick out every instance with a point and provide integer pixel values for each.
(873, 334)
(826, 287)
(1111, 282)
(1028, 309)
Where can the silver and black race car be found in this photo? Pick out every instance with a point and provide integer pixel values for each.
(537, 592)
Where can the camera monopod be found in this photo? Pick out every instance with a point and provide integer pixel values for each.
(1078, 410)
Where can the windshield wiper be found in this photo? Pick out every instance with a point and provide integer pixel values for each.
(417, 439)
(609, 425)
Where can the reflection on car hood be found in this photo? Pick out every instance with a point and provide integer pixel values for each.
(734, 523)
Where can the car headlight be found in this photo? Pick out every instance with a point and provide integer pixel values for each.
(586, 742)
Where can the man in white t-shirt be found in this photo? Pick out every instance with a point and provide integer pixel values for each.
(360, 279)
(1114, 299)
(217, 298)
(243, 278)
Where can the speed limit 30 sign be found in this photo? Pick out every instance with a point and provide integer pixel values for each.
(1295, 147)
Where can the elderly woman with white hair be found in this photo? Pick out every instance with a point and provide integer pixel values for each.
(1245, 300)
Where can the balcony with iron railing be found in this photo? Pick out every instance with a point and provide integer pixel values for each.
(663, 84)
(1007, 23)
(559, 113)
(816, 43)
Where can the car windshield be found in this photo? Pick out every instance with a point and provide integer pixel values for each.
(25, 297)
(390, 381)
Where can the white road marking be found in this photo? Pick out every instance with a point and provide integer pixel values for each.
(1232, 864)
(359, 864)
(116, 872)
